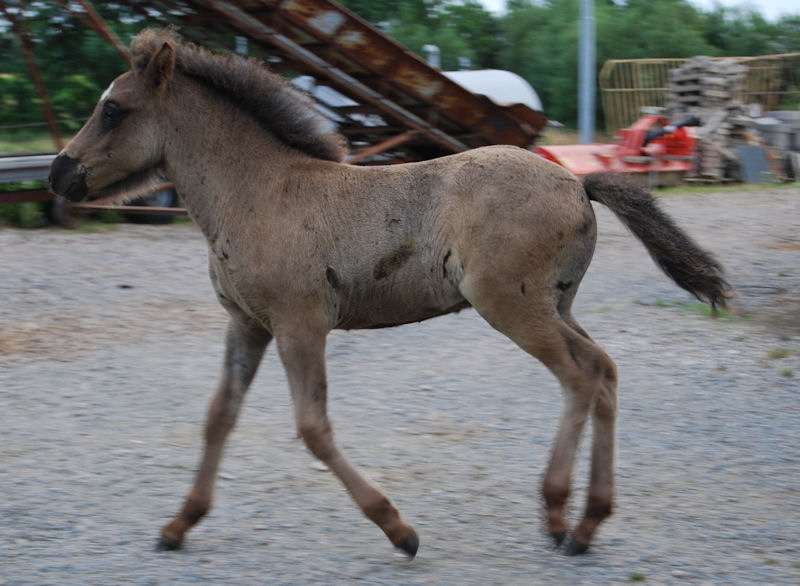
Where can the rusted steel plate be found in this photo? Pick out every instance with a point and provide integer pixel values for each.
(398, 67)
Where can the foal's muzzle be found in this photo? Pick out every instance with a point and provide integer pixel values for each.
(67, 178)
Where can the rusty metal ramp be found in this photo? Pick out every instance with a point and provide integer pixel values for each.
(391, 104)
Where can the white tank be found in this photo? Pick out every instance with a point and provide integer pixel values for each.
(502, 87)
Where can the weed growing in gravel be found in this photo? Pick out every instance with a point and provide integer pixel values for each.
(704, 309)
(711, 189)
(786, 273)
(636, 577)
(93, 227)
(778, 353)
(788, 372)
(697, 307)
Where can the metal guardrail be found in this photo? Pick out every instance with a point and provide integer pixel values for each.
(20, 168)
(14, 169)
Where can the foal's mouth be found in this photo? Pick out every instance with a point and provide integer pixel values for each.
(135, 185)
(67, 177)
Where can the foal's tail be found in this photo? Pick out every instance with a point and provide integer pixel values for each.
(672, 249)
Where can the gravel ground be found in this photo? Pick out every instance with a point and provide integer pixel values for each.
(110, 345)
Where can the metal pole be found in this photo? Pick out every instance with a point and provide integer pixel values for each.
(20, 28)
(96, 21)
(586, 73)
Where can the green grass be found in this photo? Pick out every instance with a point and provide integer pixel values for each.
(778, 353)
(94, 226)
(697, 307)
(27, 143)
(686, 189)
(788, 372)
(636, 577)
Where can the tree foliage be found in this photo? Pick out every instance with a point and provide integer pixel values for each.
(538, 39)
(75, 64)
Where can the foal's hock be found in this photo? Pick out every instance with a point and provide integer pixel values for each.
(300, 244)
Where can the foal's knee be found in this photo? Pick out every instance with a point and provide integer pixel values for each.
(605, 406)
(318, 437)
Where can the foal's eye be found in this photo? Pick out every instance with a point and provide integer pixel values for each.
(111, 115)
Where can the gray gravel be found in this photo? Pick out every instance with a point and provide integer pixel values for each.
(110, 345)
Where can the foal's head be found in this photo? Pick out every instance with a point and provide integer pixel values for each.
(121, 150)
(121, 147)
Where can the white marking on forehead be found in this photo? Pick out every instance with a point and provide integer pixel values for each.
(107, 92)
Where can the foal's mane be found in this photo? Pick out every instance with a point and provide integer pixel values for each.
(269, 98)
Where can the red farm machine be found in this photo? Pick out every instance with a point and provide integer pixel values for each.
(653, 148)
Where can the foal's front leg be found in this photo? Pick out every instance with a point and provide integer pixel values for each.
(245, 345)
(302, 351)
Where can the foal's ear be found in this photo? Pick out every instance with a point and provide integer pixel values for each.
(159, 70)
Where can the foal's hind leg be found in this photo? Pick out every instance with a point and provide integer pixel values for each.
(588, 379)
(245, 345)
(590, 387)
(302, 350)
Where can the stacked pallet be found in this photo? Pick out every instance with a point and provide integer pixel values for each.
(710, 89)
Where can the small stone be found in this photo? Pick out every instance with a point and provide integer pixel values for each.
(320, 466)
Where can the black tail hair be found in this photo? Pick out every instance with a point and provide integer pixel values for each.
(678, 255)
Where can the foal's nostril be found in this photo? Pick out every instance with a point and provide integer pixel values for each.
(67, 178)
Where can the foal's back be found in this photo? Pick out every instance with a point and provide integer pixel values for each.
(399, 241)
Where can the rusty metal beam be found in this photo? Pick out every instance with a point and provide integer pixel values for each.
(359, 41)
(253, 27)
(381, 147)
(21, 31)
(150, 210)
(25, 195)
(97, 23)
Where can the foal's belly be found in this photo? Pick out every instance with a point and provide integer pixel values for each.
(389, 317)
(377, 303)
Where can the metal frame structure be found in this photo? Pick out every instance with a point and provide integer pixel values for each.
(395, 108)
(400, 108)
(629, 85)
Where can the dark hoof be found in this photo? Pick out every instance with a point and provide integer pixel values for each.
(410, 545)
(167, 544)
(575, 547)
(558, 538)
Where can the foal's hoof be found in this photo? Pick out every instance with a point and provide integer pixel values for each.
(410, 545)
(558, 538)
(575, 547)
(167, 544)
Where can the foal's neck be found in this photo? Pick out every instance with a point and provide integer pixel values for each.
(219, 157)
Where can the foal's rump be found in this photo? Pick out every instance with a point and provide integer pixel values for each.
(525, 226)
